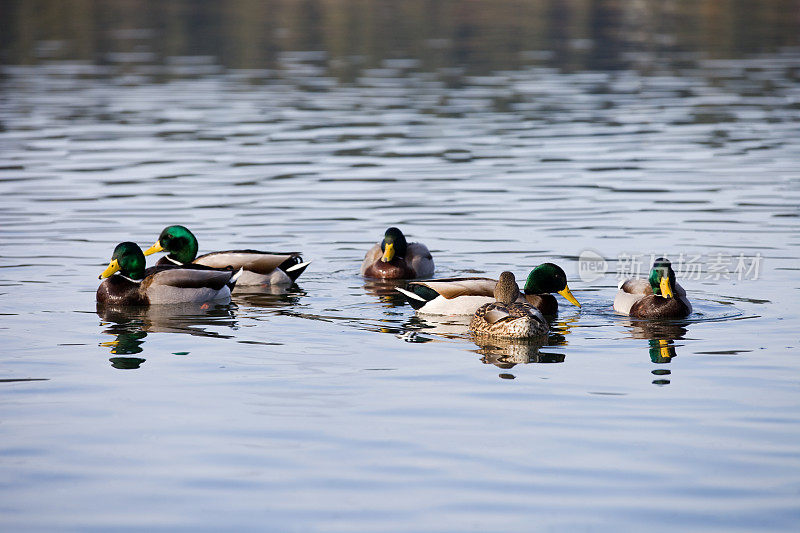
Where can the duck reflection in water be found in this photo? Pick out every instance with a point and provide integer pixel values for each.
(507, 353)
(275, 296)
(385, 290)
(449, 327)
(503, 353)
(130, 326)
(661, 337)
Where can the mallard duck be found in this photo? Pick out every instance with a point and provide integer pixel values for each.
(658, 296)
(508, 317)
(463, 296)
(544, 280)
(128, 283)
(394, 258)
(260, 268)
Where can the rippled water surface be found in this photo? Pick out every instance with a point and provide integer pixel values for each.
(625, 132)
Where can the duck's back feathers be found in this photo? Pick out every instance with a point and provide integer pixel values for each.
(517, 320)
(449, 296)
(260, 268)
(188, 278)
(450, 288)
(636, 286)
(252, 260)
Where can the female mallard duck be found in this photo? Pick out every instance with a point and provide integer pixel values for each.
(659, 296)
(260, 268)
(463, 296)
(134, 286)
(394, 258)
(508, 317)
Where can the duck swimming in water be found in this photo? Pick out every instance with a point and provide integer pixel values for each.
(259, 268)
(394, 258)
(463, 296)
(508, 317)
(126, 282)
(658, 296)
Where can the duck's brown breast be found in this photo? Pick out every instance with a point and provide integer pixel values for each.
(653, 306)
(394, 269)
(117, 290)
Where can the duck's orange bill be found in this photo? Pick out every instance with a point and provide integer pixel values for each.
(388, 253)
(666, 288)
(566, 293)
(153, 249)
(112, 267)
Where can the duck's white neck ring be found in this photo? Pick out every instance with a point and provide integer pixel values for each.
(130, 279)
(174, 261)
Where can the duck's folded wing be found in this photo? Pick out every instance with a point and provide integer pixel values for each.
(623, 301)
(186, 278)
(636, 286)
(372, 256)
(419, 258)
(496, 314)
(455, 287)
(254, 261)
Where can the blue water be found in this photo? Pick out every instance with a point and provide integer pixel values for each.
(331, 406)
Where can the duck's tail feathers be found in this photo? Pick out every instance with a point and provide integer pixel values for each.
(295, 270)
(415, 300)
(232, 282)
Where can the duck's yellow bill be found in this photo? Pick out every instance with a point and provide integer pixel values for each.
(153, 249)
(666, 288)
(566, 293)
(388, 253)
(664, 349)
(112, 267)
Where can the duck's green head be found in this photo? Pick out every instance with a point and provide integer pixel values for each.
(506, 291)
(179, 243)
(547, 278)
(662, 278)
(394, 243)
(128, 260)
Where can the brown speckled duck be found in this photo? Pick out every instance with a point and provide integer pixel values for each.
(508, 317)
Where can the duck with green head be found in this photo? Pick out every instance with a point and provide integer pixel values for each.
(508, 316)
(658, 296)
(395, 258)
(259, 268)
(126, 282)
(462, 296)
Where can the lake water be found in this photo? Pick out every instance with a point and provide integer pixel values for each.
(502, 135)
